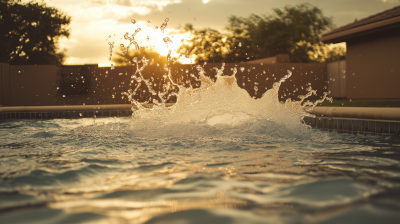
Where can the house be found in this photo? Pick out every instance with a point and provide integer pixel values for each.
(373, 55)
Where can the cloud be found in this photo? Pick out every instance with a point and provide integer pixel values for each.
(391, 1)
(149, 4)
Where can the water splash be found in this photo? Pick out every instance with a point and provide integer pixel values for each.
(131, 40)
(111, 49)
(215, 102)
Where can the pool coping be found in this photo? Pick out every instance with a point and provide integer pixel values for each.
(377, 113)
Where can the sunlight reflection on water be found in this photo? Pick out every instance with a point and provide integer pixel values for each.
(62, 171)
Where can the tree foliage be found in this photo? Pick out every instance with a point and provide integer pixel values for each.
(207, 45)
(124, 59)
(295, 30)
(29, 32)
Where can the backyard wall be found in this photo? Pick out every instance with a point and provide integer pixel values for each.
(303, 76)
(46, 85)
(336, 77)
(4, 84)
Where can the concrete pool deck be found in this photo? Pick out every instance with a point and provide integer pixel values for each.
(361, 120)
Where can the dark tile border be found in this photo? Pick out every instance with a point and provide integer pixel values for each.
(65, 114)
(355, 126)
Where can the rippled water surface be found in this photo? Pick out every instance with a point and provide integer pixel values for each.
(111, 171)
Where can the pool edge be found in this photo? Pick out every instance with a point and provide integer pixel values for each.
(364, 120)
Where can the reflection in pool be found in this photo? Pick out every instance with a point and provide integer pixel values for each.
(110, 171)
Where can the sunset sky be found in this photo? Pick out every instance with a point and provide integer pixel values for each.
(93, 21)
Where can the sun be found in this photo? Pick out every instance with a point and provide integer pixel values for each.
(166, 44)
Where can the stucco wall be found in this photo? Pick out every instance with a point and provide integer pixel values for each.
(33, 85)
(4, 84)
(373, 66)
(336, 76)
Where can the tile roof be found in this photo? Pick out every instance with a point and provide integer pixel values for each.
(388, 14)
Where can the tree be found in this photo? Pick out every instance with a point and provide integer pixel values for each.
(295, 30)
(125, 59)
(207, 45)
(30, 32)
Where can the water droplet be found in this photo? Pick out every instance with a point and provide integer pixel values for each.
(58, 88)
(354, 73)
(165, 23)
(241, 69)
(113, 96)
(167, 40)
(255, 88)
(133, 21)
(292, 68)
(240, 44)
(80, 114)
(169, 55)
(244, 84)
(64, 96)
(19, 71)
(112, 67)
(120, 73)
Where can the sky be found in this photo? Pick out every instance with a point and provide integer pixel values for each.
(95, 23)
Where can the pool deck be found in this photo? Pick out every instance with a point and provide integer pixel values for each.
(357, 120)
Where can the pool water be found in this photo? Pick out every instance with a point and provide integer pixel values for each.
(113, 170)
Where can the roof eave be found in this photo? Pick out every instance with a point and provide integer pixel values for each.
(344, 35)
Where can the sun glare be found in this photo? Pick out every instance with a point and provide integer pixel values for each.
(149, 37)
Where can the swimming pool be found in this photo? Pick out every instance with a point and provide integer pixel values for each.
(216, 156)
